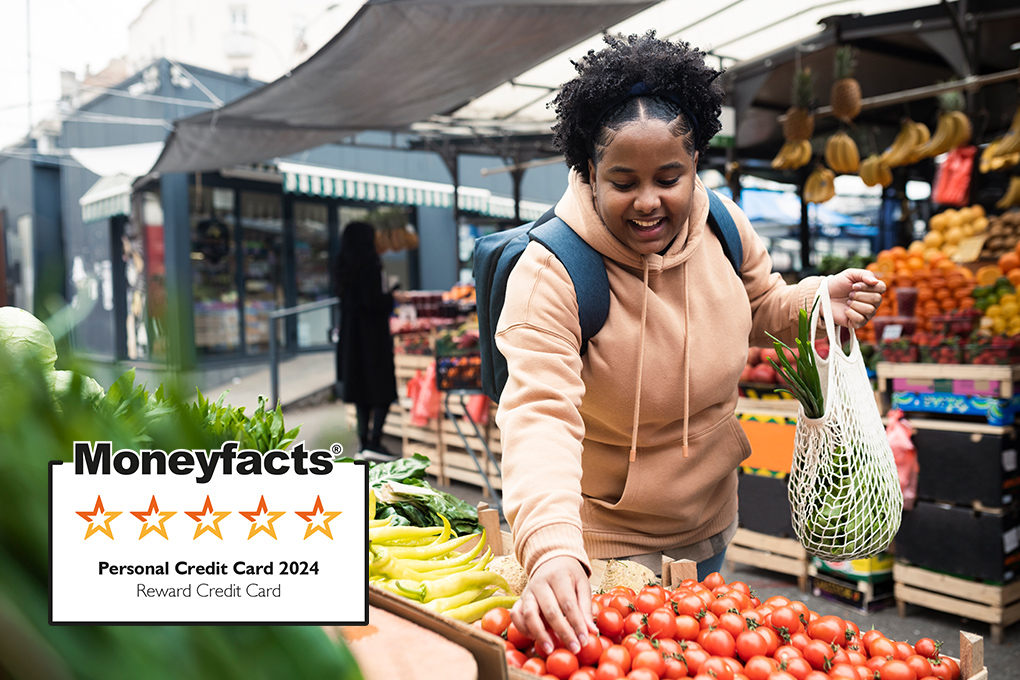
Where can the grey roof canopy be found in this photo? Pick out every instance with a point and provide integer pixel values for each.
(396, 62)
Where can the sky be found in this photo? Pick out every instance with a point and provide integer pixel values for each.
(65, 35)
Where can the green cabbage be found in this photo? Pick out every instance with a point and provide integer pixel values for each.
(21, 334)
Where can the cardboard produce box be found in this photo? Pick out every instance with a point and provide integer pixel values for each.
(992, 541)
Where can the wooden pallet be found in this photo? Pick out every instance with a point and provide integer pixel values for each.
(998, 606)
(783, 555)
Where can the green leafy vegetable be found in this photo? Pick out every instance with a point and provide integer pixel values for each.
(803, 380)
(402, 491)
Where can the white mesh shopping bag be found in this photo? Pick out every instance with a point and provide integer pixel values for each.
(844, 492)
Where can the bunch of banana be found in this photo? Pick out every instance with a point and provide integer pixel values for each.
(792, 155)
(904, 148)
(953, 129)
(1009, 143)
(841, 154)
(1012, 195)
(874, 171)
(991, 160)
(820, 185)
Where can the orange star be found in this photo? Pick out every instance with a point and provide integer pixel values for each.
(153, 520)
(208, 519)
(108, 517)
(317, 519)
(262, 519)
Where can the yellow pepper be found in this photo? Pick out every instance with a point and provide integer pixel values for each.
(475, 610)
(424, 552)
(441, 604)
(460, 558)
(456, 583)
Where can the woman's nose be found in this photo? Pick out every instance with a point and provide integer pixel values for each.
(647, 200)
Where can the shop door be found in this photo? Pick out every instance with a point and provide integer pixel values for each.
(213, 272)
(262, 267)
(312, 272)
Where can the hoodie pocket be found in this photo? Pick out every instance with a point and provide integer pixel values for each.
(669, 494)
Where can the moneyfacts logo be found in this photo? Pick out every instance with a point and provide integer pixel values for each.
(199, 537)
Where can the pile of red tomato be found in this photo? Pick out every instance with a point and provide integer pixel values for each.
(717, 631)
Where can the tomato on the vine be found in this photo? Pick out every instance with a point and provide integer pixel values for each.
(496, 620)
(517, 638)
(844, 671)
(617, 654)
(634, 623)
(759, 667)
(750, 644)
(608, 670)
(919, 664)
(799, 640)
(771, 637)
(687, 627)
(647, 601)
(798, 667)
(882, 646)
(695, 657)
(515, 658)
(691, 605)
(650, 659)
(903, 650)
(534, 665)
(622, 604)
(716, 667)
(786, 621)
(927, 648)
(719, 642)
(819, 654)
(561, 663)
(675, 667)
(661, 624)
(713, 580)
(609, 621)
(786, 652)
(590, 652)
(642, 674)
(828, 629)
(897, 669)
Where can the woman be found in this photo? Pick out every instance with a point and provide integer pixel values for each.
(631, 450)
(365, 350)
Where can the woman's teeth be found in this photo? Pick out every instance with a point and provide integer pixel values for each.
(646, 225)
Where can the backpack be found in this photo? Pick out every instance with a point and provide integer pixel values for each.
(496, 254)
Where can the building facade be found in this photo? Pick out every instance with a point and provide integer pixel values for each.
(184, 269)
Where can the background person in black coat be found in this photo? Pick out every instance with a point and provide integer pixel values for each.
(365, 349)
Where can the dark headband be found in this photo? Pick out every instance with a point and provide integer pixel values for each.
(641, 89)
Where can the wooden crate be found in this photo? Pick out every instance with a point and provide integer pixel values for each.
(783, 555)
(998, 606)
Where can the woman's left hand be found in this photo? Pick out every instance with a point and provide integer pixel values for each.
(856, 295)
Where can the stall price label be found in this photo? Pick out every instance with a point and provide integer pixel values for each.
(220, 537)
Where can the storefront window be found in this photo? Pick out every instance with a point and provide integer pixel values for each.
(214, 271)
(262, 262)
(150, 341)
(312, 264)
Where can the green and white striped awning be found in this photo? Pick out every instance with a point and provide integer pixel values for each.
(335, 183)
(108, 197)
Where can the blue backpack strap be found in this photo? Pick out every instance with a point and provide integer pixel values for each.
(587, 272)
(721, 221)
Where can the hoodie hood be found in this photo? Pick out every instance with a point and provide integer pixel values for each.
(577, 208)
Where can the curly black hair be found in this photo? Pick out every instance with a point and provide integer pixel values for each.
(597, 97)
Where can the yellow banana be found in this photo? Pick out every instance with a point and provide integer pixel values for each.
(922, 135)
(804, 153)
(1010, 142)
(841, 153)
(964, 128)
(899, 151)
(820, 185)
(1012, 195)
(942, 140)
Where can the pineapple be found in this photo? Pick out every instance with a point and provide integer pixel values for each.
(846, 91)
(799, 122)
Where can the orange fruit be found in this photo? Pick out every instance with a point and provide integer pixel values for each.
(1014, 277)
(941, 293)
(988, 274)
(898, 252)
(948, 304)
(1009, 261)
(966, 303)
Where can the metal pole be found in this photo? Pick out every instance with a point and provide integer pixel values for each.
(28, 56)
(274, 366)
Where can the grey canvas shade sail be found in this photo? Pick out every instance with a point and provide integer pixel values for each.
(395, 63)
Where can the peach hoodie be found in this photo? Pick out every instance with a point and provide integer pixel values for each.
(634, 447)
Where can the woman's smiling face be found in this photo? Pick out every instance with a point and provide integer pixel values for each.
(644, 185)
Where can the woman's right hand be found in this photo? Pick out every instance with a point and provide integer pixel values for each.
(558, 593)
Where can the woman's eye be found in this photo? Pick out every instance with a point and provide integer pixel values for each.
(669, 182)
(622, 186)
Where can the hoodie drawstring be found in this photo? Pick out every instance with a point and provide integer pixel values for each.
(687, 359)
(641, 364)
